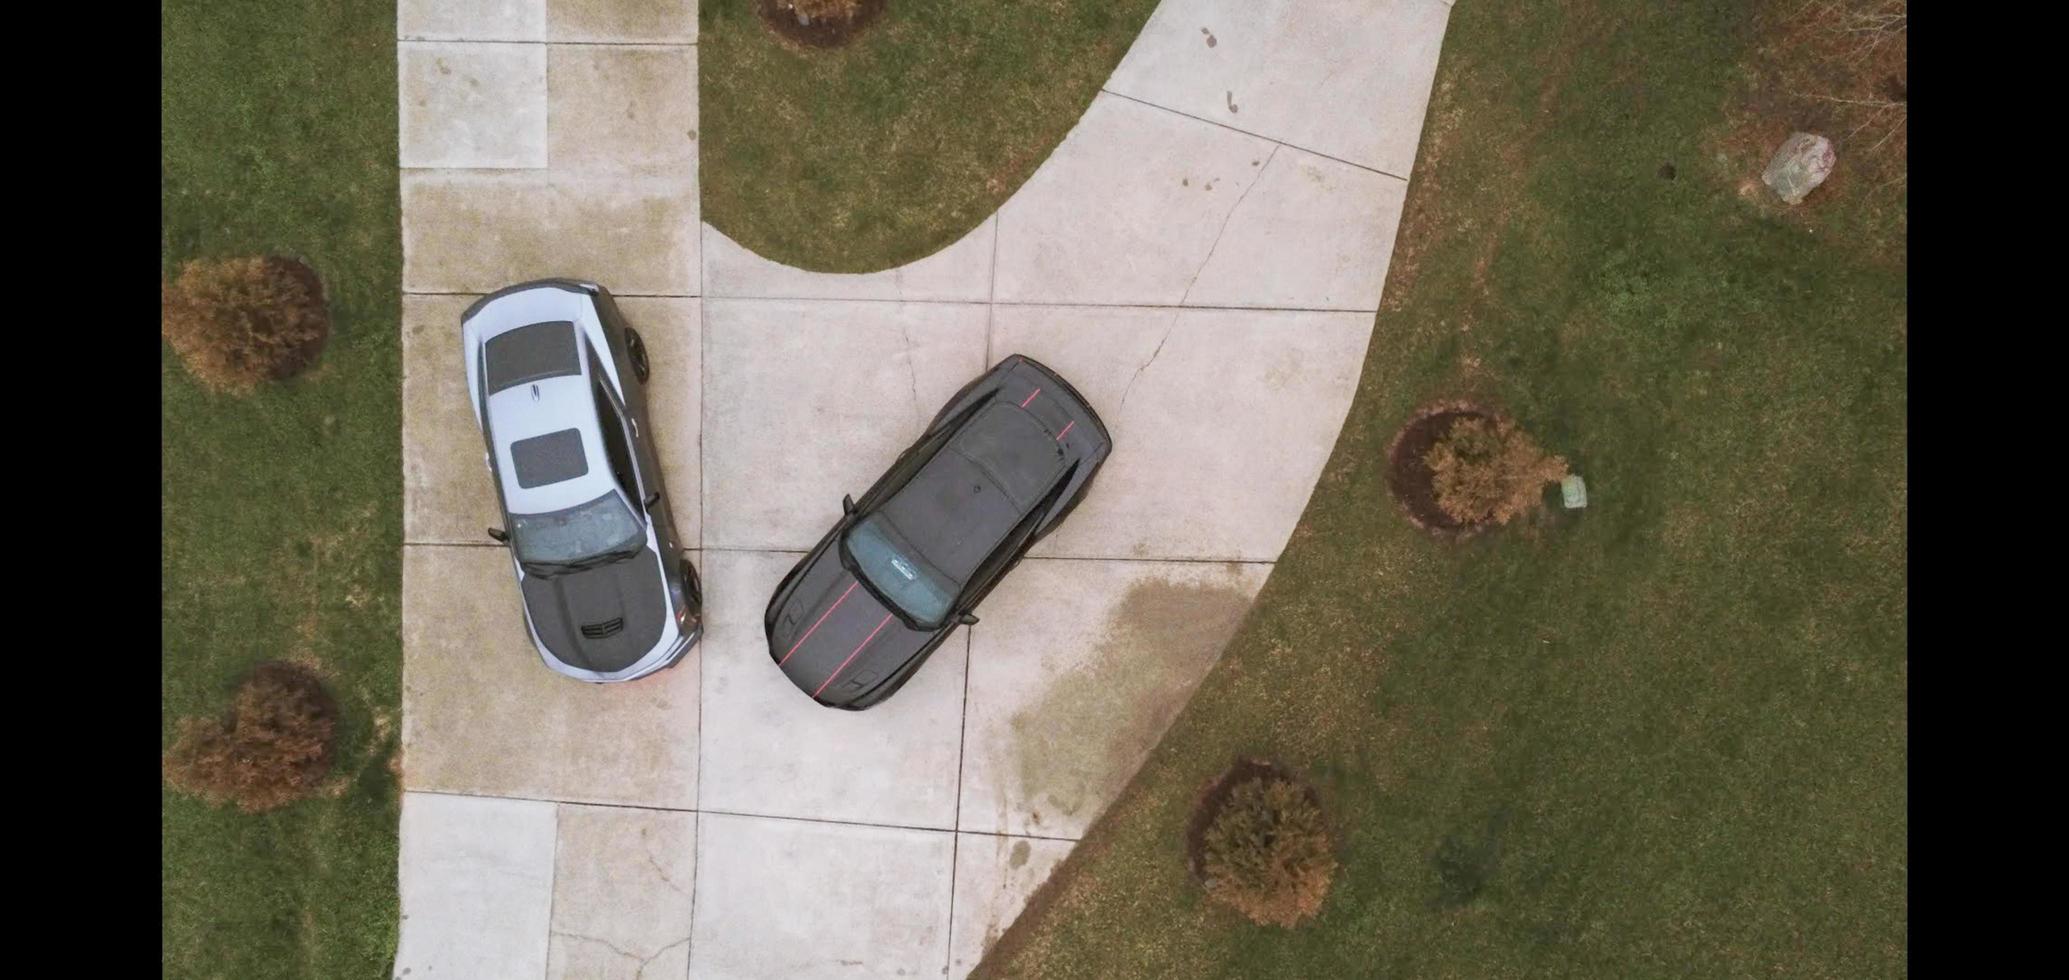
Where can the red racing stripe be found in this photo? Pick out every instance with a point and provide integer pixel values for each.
(815, 626)
(851, 657)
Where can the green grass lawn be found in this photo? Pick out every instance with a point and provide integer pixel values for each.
(870, 156)
(282, 512)
(1665, 738)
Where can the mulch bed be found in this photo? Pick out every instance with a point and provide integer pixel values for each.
(1411, 479)
(823, 32)
(1215, 795)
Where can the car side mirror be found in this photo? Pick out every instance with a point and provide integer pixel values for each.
(653, 498)
(847, 503)
(501, 536)
(968, 620)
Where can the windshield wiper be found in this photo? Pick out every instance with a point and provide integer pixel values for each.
(549, 569)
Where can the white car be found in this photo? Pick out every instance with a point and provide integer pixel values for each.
(558, 383)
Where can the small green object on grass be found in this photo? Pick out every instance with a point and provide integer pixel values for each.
(1573, 492)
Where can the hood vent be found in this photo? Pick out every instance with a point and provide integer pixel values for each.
(609, 627)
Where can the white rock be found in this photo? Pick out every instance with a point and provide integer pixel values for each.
(1799, 166)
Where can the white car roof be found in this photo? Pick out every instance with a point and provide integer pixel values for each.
(546, 407)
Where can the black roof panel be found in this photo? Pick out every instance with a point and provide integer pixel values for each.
(1014, 449)
(550, 458)
(533, 353)
(963, 501)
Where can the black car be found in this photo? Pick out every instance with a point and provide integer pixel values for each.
(558, 381)
(995, 471)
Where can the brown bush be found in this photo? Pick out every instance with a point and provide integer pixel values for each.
(237, 322)
(1487, 472)
(1266, 853)
(272, 750)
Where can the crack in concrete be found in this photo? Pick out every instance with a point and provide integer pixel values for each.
(1225, 220)
(663, 872)
(605, 943)
(643, 964)
(1144, 366)
(643, 961)
(912, 371)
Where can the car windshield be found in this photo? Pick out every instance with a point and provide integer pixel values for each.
(601, 528)
(898, 572)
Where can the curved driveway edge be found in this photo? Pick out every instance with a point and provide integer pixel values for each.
(1202, 255)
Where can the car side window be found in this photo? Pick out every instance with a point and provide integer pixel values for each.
(614, 327)
(616, 451)
(987, 574)
(910, 463)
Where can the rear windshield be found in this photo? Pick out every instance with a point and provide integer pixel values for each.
(534, 353)
(896, 569)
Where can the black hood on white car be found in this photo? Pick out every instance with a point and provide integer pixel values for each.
(601, 619)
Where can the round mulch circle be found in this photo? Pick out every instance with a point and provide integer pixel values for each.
(1411, 480)
(1215, 795)
(822, 32)
(299, 359)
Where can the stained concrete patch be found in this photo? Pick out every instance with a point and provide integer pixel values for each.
(621, 894)
(476, 878)
(1313, 233)
(482, 715)
(447, 496)
(1075, 672)
(472, 105)
(475, 232)
(1346, 78)
(1221, 420)
(961, 271)
(769, 749)
(674, 333)
(994, 878)
(622, 110)
(789, 898)
(1126, 210)
(808, 400)
(471, 20)
(669, 21)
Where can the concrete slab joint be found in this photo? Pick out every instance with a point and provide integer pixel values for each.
(1202, 256)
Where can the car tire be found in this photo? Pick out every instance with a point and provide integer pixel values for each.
(636, 348)
(693, 586)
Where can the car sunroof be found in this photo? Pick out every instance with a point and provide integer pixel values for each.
(533, 353)
(550, 458)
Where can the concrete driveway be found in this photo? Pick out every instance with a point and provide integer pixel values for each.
(1202, 256)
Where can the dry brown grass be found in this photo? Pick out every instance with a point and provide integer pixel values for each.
(273, 749)
(1488, 472)
(1267, 852)
(238, 322)
(1863, 46)
(821, 9)
(1839, 68)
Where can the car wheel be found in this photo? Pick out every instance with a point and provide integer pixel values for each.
(638, 349)
(691, 585)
